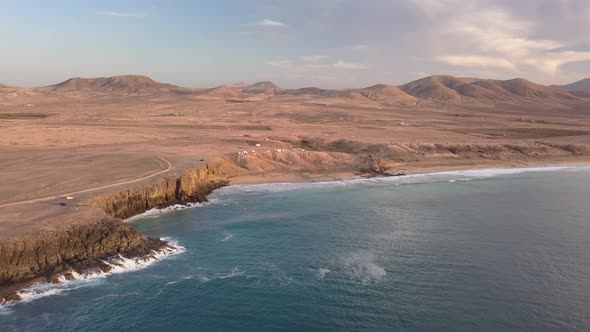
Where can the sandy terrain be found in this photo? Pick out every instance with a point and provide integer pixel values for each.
(84, 138)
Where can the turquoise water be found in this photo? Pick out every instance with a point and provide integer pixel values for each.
(481, 250)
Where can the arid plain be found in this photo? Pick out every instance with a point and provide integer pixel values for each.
(85, 137)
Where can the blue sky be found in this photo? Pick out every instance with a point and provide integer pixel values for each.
(326, 43)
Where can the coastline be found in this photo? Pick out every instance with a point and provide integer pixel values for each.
(202, 183)
(323, 179)
(415, 170)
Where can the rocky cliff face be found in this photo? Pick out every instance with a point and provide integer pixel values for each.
(84, 247)
(193, 187)
(43, 256)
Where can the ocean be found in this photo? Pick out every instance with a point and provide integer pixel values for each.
(480, 250)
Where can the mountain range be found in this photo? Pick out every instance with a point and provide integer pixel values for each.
(439, 89)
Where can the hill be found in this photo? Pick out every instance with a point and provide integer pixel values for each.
(388, 94)
(449, 89)
(221, 92)
(124, 84)
(439, 88)
(238, 84)
(523, 88)
(314, 91)
(578, 86)
(261, 87)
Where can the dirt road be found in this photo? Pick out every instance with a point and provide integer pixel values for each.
(124, 182)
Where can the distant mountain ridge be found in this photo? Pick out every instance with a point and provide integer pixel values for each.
(221, 92)
(128, 84)
(443, 89)
(261, 87)
(578, 86)
(455, 90)
(388, 94)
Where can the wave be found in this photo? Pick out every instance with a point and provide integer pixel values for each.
(362, 266)
(489, 172)
(157, 212)
(228, 236)
(235, 272)
(118, 265)
(433, 177)
(455, 180)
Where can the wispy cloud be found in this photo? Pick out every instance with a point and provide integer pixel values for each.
(492, 37)
(307, 64)
(313, 58)
(271, 23)
(122, 14)
(475, 61)
(348, 65)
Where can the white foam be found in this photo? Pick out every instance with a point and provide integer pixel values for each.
(228, 236)
(489, 172)
(235, 272)
(322, 272)
(156, 212)
(455, 180)
(446, 176)
(5, 308)
(204, 279)
(119, 264)
(362, 266)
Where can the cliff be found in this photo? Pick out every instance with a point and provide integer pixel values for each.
(83, 247)
(193, 187)
(47, 256)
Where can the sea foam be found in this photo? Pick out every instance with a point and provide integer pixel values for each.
(433, 177)
(228, 236)
(322, 272)
(235, 272)
(156, 212)
(118, 264)
(362, 266)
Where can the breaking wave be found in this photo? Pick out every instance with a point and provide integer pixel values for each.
(118, 265)
(228, 236)
(156, 212)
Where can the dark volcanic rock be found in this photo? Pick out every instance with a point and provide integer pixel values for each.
(44, 257)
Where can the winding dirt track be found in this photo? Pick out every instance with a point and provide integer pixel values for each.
(37, 200)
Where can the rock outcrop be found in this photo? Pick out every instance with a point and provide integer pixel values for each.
(192, 187)
(83, 247)
(43, 256)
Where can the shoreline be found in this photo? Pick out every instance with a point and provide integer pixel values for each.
(120, 264)
(204, 182)
(351, 177)
(343, 176)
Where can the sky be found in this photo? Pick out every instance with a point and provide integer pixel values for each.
(294, 43)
